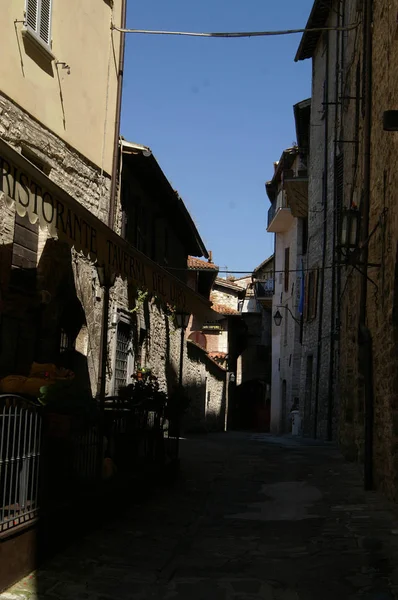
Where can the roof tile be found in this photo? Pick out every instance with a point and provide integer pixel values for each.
(197, 263)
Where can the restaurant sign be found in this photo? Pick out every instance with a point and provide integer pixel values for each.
(35, 196)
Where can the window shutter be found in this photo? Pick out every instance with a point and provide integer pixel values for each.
(45, 21)
(314, 294)
(31, 14)
(306, 299)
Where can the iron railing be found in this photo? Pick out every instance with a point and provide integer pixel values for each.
(47, 460)
(264, 289)
(20, 447)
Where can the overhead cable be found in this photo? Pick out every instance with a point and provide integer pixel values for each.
(237, 34)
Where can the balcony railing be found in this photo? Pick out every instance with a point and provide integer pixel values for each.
(271, 213)
(264, 289)
(279, 214)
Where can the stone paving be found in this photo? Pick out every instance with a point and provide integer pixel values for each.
(251, 518)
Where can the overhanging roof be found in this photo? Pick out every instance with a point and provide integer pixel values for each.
(34, 196)
(145, 165)
(264, 263)
(318, 18)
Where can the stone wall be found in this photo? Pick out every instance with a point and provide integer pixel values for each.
(225, 296)
(205, 382)
(64, 165)
(86, 184)
(382, 291)
(318, 401)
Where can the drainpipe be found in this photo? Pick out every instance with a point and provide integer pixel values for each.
(325, 210)
(115, 159)
(331, 387)
(364, 334)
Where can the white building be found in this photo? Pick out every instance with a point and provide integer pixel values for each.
(287, 219)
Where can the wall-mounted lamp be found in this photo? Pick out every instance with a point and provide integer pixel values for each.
(182, 319)
(106, 277)
(349, 234)
(278, 317)
(232, 378)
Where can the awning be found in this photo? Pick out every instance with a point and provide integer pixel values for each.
(34, 195)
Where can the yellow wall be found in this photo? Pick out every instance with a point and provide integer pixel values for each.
(72, 106)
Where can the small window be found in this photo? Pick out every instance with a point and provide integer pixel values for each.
(38, 19)
(66, 342)
(122, 352)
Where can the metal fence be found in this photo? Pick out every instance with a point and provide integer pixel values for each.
(20, 446)
(46, 461)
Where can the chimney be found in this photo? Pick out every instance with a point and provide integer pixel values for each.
(210, 259)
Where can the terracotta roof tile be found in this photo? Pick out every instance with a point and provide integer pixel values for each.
(224, 310)
(197, 263)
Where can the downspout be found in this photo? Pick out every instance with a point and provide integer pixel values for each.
(115, 159)
(364, 334)
(325, 210)
(331, 387)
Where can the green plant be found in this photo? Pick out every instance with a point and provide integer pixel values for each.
(145, 392)
(141, 296)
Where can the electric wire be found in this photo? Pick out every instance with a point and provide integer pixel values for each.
(237, 34)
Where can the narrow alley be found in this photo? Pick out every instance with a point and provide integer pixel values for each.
(251, 516)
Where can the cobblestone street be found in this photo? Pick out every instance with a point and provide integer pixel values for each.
(251, 517)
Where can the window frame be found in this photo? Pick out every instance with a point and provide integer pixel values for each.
(36, 33)
(311, 295)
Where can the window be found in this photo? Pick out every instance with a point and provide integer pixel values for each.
(311, 295)
(287, 268)
(66, 342)
(122, 353)
(38, 19)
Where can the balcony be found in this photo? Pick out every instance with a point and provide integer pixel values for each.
(280, 216)
(264, 291)
(297, 193)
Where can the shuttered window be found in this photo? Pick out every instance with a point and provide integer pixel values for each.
(38, 19)
(311, 295)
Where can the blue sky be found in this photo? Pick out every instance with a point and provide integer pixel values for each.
(217, 112)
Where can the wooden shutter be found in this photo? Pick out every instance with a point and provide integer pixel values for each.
(287, 267)
(32, 7)
(44, 29)
(314, 294)
(306, 299)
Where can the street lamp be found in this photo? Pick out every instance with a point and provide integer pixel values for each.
(278, 317)
(182, 320)
(349, 234)
(106, 280)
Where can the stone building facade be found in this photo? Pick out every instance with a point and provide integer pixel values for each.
(354, 79)
(319, 394)
(50, 293)
(369, 307)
